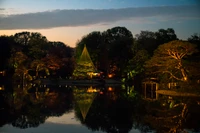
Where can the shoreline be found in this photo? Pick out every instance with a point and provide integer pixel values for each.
(79, 82)
(176, 93)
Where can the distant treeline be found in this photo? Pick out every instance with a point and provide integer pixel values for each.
(114, 51)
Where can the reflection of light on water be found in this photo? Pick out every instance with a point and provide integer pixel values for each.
(67, 118)
(92, 90)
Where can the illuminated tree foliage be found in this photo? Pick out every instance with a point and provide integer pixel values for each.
(37, 66)
(109, 50)
(84, 66)
(173, 59)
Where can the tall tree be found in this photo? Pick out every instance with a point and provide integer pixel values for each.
(146, 40)
(110, 50)
(60, 50)
(171, 59)
(35, 45)
(18, 62)
(149, 40)
(38, 46)
(6, 45)
(23, 38)
(92, 41)
(195, 39)
(164, 36)
(118, 45)
(136, 64)
(59, 59)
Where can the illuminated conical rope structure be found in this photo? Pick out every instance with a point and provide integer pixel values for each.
(84, 67)
(84, 100)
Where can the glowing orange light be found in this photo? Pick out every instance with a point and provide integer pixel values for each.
(91, 90)
(110, 75)
(110, 88)
(1, 88)
(101, 92)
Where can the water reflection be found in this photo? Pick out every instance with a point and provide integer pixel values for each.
(84, 98)
(29, 107)
(109, 109)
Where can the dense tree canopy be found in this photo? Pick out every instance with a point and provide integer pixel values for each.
(109, 50)
(114, 51)
(149, 40)
(171, 58)
(195, 39)
(6, 44)
(119, 42)
(30, 52)
(92, 41)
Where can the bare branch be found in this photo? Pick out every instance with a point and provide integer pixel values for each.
(172, 54)
(176, 105)
(173, 75)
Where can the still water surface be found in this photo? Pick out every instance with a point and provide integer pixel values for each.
(95, 109)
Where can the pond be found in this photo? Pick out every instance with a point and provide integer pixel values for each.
(95, 109)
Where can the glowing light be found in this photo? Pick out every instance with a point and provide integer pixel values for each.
(101, 92)
(92, 90)
(110, 89)
(1, 88)
(110, 75)
(2, 72)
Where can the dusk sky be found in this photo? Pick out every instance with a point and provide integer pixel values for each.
(69, 20)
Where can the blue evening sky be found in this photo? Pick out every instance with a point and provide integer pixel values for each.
(69, 20)
(89, 4)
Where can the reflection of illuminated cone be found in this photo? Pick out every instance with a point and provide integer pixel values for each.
(84, 100)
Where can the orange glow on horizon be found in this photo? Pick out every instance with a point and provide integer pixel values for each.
(67, 35)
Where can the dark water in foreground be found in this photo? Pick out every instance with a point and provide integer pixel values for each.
(111, 109)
